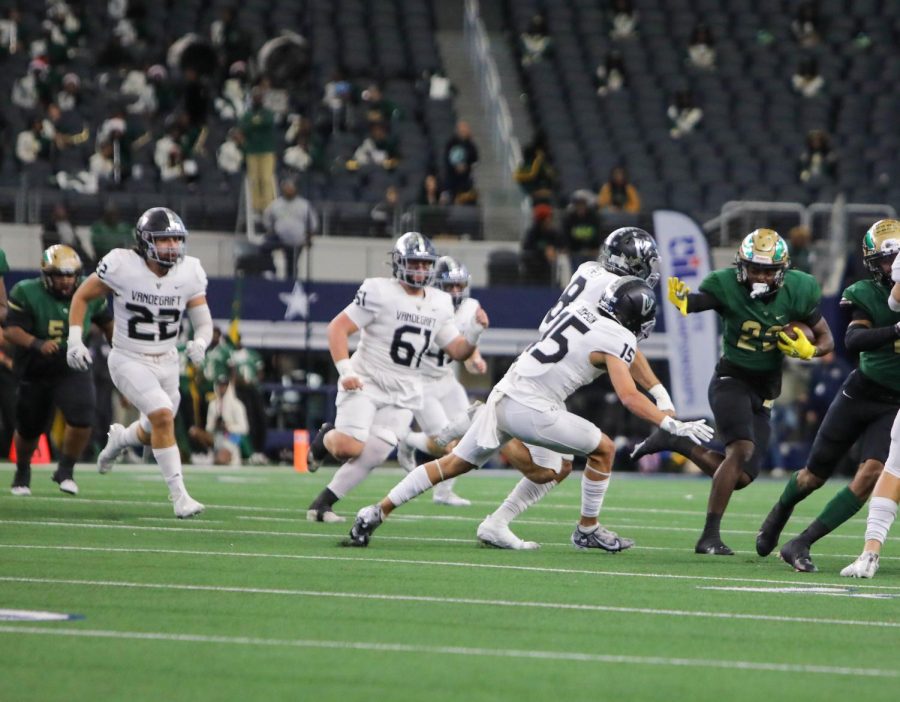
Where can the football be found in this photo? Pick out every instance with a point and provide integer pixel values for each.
(793, 328)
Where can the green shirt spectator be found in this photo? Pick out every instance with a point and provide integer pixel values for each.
(109, 232)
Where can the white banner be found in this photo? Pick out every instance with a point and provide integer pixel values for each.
(692, 340)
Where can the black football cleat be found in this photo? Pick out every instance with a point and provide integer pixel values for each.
(317, 451)
(771, 528)
(656, 442)
(368, 519)
(796, 554)
(712, 546)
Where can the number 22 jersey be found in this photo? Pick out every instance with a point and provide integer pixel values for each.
(148, 308)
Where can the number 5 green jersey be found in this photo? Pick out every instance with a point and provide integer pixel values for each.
(34, 309)
(750, 326)
(881, 365)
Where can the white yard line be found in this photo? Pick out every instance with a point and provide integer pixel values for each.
(362, 558)
(417, 649)
(358, 596)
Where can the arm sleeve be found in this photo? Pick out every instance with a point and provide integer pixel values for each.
(201, 321)
(19, 314)
(366, 304)
(859, 338)
(702, 301)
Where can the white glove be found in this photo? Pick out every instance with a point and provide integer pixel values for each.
(196, 351)
(697, 431)
(661, 396)
(77, 355)
(895, 270)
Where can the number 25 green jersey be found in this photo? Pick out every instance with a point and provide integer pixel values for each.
(750, 326)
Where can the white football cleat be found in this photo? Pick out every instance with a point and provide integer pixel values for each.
(21, 491)
(443, 495)
(493, 532)
(863, 567)
(187, 507)
(68, 486)
(327, 516)
(108, 454)
(458, 426)
(406, 456)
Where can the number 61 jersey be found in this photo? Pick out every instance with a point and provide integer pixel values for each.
(550, 370)
(148, 308)
(396, 330)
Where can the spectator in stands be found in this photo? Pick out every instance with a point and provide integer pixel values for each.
(69, 98)
(30, 89)
(377, 108)
(624, 20)
(818, 162)
(618, 194)
(305, 151)
(805, 25)
(610, 74)
(10, 39)
(534, 42)
(168, 155)
(431, 193)
(379, 148)
(196, 97)
(58, 229)
(540, 248)
(229, 38)
(141, 91)
(802, 255)
(290, 223)
(102, 164)
(125, 139)
(536, 174)
(339, 95)
(248, 374)
(683, 113)
(384, 214)
(163, 92)
(33, 143)
(581, 229)
(232, 102)
(807, 81)
(437, 86)
(258, 131)
(109, 232)
(702, 48)
(230, 155)
(460, 157)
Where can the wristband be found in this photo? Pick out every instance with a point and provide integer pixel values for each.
(473, 334)
(659, 393)
(344, 367)
(75, 334)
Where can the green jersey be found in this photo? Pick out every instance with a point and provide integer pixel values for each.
(4, 266)
(882, 365)
(217, 361)
(35, 310)
(247, 363)
(750, 326)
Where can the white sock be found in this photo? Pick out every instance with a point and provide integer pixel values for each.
(419, 441)
(523, 495)
(444, 488)
(882, 513)
(169, 460)
(592, 493)
(353, 472)
(413, 485)
(129, 437)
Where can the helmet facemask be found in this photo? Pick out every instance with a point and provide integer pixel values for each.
(765, 249)
(881, 244)
(60, 271)
(453, 278)
(409, 248)
(631, 251)
(167, 255)
(156, 224)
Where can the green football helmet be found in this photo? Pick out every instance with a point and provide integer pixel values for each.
(881, 242)
(766, 249)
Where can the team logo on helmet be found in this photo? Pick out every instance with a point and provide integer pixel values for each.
(766, 249)
(452, 277)
(409, 248)
(631, 251)
(881, 242)
(60, 270)
(631, 302)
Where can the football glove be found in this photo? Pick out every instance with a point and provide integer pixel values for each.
(678, 293)
(895, 270)
(697, 431)
(77, 355)
(196, 351)
(796, 348)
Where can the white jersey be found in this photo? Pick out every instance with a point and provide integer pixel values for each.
(397, 329)
(436, 364)
(550, 370)
(148, 308)
(588, 283)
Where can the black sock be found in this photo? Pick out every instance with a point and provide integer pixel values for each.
(682, 445)
(66, 467)
(713, 523)
(814, 532)
(325, 501)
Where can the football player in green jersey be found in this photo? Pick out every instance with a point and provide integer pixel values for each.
(863, 411)
(38, 327)
(755, 300)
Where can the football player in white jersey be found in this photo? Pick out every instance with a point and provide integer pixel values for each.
(587, 340)
(626, 251)
(381, 385)
(152, 286)
(444, 396)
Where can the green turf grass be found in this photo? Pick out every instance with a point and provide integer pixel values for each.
(251, 602)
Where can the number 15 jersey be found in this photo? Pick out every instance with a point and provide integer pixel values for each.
(396, 328)
(148, 308)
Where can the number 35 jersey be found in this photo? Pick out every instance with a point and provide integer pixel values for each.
(396, 330)
(550, 370)
(148, 308)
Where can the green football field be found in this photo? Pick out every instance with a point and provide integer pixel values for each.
(251, 602)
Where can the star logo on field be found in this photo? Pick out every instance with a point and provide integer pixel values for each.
(297, 302)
